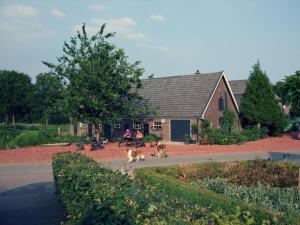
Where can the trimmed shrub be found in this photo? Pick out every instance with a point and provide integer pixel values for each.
(27, 138)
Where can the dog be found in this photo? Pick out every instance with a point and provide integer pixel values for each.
(152, 155)
(134, 154)
(161, 150)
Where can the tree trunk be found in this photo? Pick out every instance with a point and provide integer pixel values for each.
(6, 118)
(13, 118)
(46, 117)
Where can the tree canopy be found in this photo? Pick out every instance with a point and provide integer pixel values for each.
(16, 93)
(259, 105)
(101, 85)
(289, 90)
(49, 91)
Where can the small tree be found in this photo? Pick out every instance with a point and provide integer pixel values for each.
(101, 84)
(290, 88)
(259, 106)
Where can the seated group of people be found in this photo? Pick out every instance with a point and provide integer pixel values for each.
(138, 135)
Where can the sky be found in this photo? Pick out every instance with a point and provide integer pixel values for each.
(169, 37)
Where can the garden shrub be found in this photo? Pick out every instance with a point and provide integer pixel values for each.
(27, 138)
(183, 191)
(279, 199)
(93, 194)
(248, 173)
(224, 137)
(12, 136)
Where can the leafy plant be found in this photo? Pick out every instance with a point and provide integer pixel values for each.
(279, 199)
(150, 138)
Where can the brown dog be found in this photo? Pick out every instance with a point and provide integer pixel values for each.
(161, 150)
(134, 154)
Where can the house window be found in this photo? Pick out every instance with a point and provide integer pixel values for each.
(116, 125)
(221, 104)
(221, 122)
(156, 125)
(137, 126)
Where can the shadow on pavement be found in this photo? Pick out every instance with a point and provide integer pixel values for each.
(34, 204)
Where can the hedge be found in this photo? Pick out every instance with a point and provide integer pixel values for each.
(93, 194)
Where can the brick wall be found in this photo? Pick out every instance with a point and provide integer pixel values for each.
(213, 114)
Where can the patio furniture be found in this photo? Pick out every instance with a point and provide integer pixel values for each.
(131, 142)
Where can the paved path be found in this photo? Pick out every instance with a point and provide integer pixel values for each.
(27, 191)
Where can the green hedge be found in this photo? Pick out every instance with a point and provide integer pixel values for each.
(279, 199)
(93, 194)
(30, 135)
(27, 138)
(222, 137)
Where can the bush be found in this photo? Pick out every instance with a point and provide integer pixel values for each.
(30, 135)
(248, 173)
(27, 138)
(279, 199)
(150, 138)
(93, 194)
(225, 138)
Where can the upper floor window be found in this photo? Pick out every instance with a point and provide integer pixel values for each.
(221, 104)
(137, 126)
(156, 125)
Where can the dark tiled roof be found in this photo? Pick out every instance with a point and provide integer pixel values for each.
(238, 86)
(180, 96)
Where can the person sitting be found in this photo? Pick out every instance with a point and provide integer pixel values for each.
(127, 133)
(139, 135)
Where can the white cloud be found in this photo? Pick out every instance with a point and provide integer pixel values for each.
(97, 8)
(157, 18)
(18, 11)
(21, 32)
(57, 13)
(156, 47)
(122, 26)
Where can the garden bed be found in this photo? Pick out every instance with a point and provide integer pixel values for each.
(93, 194)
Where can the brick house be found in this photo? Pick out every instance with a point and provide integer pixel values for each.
(179, 102)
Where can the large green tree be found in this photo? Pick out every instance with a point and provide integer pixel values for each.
(49, 91)
(16, 94)
(289, 90)
(101, 84)
(259, 106)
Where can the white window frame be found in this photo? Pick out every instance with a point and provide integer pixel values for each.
(137, 125)
(157, 125)
(116, 125)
